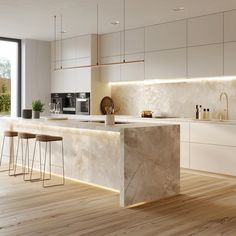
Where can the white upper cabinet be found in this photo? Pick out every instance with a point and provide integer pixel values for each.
(76, 51)
(230, 58)
(205, 30)
(133, 71)
(110, 44)
(229, 26)
(68, 49)
(165, 36)
(82, 80)
(82, 46)
(110, 73)
(205, 61)
(134, 41)
(166, 64)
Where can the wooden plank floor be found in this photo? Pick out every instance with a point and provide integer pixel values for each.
(206, 206)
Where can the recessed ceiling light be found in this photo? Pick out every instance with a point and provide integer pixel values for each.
(115, 22)
(178, 9)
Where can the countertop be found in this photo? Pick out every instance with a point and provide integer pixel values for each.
(137, 119)
(93, 122)
(88, 122)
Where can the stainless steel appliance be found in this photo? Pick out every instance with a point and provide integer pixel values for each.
(57, 98)
(68, 103)
(83, 103)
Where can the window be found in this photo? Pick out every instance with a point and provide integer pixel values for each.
(10, 77)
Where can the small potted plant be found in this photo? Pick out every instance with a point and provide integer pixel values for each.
(37, 107)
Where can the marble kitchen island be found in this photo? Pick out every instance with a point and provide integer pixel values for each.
(141, 161)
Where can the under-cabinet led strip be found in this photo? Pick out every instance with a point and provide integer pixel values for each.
(168, 81)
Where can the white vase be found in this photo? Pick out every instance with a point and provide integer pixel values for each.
(109, 119)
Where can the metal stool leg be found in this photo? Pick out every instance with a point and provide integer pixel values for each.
(26, 155)
(45, 162)
(17, 153)
(63, 161)
(32, 166)
(50, 160)
(3, 142)
(63, 167)
(40, 160)
(11, 158)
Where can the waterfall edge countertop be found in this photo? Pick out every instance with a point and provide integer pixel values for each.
(139, 160)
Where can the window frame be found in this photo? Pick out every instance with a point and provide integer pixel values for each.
(19, 71)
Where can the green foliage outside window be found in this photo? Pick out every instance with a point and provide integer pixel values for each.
(5, 100)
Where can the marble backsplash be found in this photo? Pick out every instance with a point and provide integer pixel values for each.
(175, 99)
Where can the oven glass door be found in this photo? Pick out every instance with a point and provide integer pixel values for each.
(83, 106)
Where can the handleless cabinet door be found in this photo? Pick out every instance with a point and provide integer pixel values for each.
(212, 158)
(184, 155)
(82, 80)
(110, 45)
(205, 30)
(110, 73)
(205, 61)
(217, 134)
(165, 36)
(230, 58)
(133, 71)
(229, 26)
(57, 82)
(134, 41)
(167, 64)
(68, 49)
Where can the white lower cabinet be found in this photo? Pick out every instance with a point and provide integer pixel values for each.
(184, 155)
(184, 142)
(213, 158)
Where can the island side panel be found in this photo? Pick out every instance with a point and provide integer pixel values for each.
(150, 164)
(91, 156)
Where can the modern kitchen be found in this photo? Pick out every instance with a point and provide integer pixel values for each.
(117, 117)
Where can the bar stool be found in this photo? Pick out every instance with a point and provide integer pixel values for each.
(10, 135)
(48, 139)
(25, 158)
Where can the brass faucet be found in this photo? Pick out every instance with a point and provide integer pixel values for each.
(227, 103)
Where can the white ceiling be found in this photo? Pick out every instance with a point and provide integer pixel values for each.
(34, 18)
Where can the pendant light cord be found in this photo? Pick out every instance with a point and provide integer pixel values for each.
(124, 31)
(55, 42)
(97, 38)
(61, 41)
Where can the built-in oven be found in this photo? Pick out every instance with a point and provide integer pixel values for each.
(83, 103)
(69, 103)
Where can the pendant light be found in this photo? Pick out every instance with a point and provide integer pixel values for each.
(97, 63)
(124, 46)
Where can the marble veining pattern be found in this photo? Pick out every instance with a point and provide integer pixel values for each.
(151, 164)
(141, 161)
(175, 99)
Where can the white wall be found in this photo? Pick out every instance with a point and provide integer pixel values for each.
(36, 61)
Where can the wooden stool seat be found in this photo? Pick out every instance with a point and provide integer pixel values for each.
(26, 135)
(10, 134)
(48, 138)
